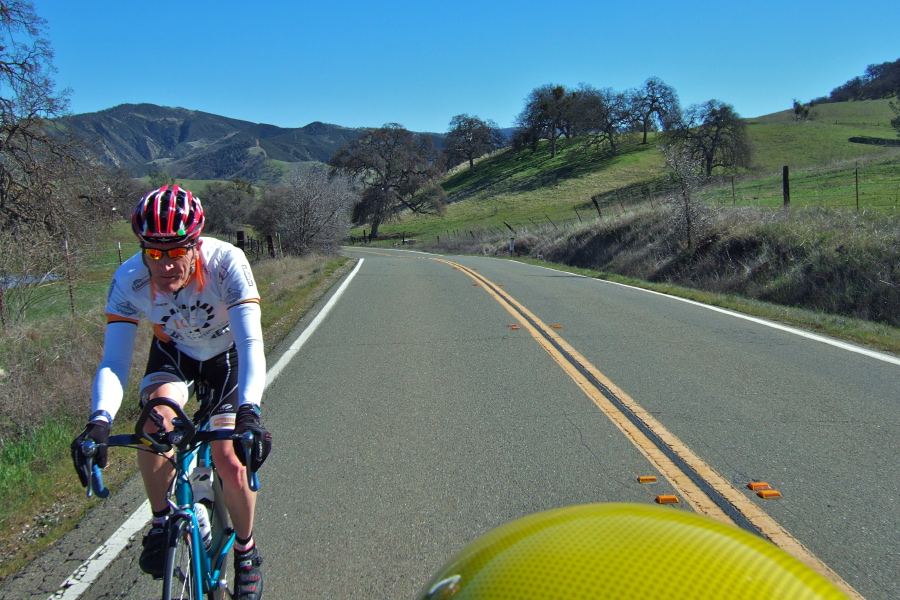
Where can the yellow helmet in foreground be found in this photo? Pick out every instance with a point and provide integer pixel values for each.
(623, 551)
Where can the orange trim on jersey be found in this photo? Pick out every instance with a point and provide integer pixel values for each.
(198, 272)
(160, 333)
(111, 318)
(256, 300)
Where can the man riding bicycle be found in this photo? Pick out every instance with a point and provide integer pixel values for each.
(201, 298)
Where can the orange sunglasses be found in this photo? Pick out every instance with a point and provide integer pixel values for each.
(173, 253)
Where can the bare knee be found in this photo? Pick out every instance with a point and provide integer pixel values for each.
(170, 390)
(228, 466)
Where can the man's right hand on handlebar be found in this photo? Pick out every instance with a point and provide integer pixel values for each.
(248, 421)
(98, 431)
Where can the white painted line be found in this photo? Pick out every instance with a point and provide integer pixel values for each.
(882, 356)
(79, 581)
(84, 576)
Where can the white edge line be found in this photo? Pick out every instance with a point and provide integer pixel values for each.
(79, 581)
(84, 576)
(888, 358)
(809, 335)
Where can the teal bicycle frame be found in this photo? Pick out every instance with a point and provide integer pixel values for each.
(208, 565)
(203, 575)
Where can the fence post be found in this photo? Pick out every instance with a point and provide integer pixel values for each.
(239, 239)
(69, 276)
(597, 206)
(119, 248)
(857, 186)
(551, 221)
(786, 186)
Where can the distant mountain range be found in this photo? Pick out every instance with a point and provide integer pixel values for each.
(191, 144)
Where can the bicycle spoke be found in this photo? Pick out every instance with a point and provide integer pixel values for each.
(179, 582)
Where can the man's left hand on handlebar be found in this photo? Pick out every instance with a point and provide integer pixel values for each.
(98, 431)
(248, 421)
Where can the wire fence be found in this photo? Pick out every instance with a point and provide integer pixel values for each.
(864, 185)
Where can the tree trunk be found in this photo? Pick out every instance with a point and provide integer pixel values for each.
(687, 218)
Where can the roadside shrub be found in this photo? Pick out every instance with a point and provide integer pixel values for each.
(47, 371)
(833, 261)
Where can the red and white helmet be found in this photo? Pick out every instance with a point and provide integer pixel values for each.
(168, 215)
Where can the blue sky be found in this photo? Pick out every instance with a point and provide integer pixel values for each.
(419, 63)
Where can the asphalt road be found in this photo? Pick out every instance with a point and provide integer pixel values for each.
(415, 419)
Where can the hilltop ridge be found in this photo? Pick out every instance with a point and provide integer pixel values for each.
(192, 144)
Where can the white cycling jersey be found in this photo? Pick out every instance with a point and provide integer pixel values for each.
(219, 302)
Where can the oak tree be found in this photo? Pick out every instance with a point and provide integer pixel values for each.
(470, 138)
(397, 171)
(655, 106)
(547, 115)
(714, 134)
(601, 116)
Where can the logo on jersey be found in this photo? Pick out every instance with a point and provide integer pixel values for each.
(126, 309)
(188, 322)
(248, 275)
(232, 296)
(141, 283)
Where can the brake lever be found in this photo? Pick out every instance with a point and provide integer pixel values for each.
(95, 477)
(252, 477)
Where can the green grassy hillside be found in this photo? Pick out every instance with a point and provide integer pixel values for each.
(823, 139)
(528, 188)
(522, 188)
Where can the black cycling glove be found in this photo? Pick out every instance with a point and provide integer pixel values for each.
(248, 420)
(99, 432)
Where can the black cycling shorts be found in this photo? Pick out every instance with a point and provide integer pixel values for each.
(219, 374)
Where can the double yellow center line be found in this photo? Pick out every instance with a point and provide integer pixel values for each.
(699, 484)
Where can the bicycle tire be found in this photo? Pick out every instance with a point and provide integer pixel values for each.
(179, 576)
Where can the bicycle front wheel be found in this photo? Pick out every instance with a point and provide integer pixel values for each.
(181, 580)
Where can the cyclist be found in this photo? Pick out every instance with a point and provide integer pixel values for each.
(200, 296)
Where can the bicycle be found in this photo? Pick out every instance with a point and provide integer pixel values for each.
(195, 561)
